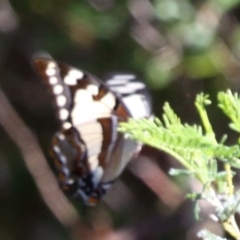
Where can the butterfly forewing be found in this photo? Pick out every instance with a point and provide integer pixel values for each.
(88, 151)
(133, 94)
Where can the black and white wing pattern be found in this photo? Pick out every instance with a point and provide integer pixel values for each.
(132, 93)
(88, 151)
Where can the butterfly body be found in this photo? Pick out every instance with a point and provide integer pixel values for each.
(88, 151)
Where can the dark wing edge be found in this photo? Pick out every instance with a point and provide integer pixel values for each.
(50, 73)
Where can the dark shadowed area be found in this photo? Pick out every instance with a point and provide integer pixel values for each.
(177, 47)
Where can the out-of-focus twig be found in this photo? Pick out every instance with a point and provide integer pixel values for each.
(8, 18)
(143, 31)
(158, 182)
(36, 163)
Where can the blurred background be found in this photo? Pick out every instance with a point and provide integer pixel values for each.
(177, 47)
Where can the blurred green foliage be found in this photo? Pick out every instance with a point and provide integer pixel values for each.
(178, 47)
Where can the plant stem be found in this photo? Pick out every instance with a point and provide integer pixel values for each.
(229, 179)
(231, 227)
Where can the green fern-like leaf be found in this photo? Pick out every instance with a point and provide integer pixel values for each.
(197, 149)
(230, 104)
(187, 143)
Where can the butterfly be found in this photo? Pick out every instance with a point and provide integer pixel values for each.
(88, 152)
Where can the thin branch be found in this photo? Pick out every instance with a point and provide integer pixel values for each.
(36, 163)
